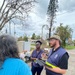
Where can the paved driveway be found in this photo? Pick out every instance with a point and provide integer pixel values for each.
(71, 68)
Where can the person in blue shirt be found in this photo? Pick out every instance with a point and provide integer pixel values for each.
(36, 54)
(10, 63)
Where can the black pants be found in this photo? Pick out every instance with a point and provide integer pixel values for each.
(37, 70)
(48, 73)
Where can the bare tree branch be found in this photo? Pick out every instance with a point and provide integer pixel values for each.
(14, 9)
(2, 5)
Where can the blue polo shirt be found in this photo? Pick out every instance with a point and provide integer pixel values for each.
(36, 55)
(14, 66)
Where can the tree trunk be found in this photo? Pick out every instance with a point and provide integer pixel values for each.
(51, 24)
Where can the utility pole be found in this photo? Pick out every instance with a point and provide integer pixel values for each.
(6, 31)
(14, 30)
(43, 27)
(9, 27)
(42, 31)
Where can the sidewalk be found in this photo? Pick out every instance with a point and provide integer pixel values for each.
(71, 68)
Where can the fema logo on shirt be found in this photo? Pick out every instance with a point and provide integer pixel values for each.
(56, 56)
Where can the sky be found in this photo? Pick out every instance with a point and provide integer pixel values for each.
(66, 13)
(38, 17)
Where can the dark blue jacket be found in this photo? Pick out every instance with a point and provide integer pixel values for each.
(54, 59)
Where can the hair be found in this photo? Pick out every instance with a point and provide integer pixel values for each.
(8, 47)
(39, 42)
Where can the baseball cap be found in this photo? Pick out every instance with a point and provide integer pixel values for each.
(56, 37)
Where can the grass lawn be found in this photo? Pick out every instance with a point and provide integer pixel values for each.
(32, 49)
(68, 47)
(32, 44)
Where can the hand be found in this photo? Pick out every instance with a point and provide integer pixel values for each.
(36, 58)
(44, 56)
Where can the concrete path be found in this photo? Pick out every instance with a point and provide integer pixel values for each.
(71, 68)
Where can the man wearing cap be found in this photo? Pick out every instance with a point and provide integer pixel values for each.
(57, 61)
(36, 54)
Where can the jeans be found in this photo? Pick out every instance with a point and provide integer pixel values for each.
(37, 70)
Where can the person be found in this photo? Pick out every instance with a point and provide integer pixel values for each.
(22, 54)
(36, 54)
(57, 58)
(10, 62)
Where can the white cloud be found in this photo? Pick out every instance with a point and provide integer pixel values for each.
(67, 5)
(67, 18)
(38, 18)
(1, 1)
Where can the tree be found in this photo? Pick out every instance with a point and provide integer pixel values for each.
(11, 10)
(52, 9)
(38, 37)
(33, 36)
(20, 39)
(65, 32)
(74, 42)
(25, 38)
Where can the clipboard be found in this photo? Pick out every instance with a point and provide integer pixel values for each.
(40, 62)
(44, 63)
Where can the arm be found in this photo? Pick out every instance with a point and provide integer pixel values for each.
(33, 58)
(63, 65)
(57, 70)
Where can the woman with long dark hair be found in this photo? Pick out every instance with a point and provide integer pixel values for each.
(10, 63)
